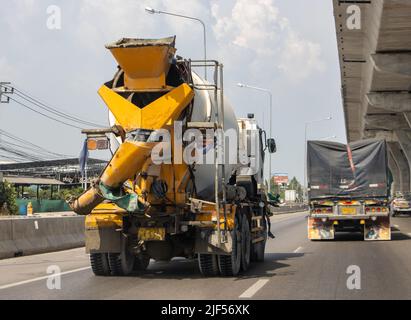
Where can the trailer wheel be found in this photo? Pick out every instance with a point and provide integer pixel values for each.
(208, 264)
(99, 264)
(245, 243)
(230, 265)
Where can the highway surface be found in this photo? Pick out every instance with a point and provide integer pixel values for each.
(294, 268)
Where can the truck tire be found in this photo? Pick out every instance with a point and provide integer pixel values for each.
(122, 264)
(99, 264)
(208, 264)
(258, 248)
(230, 265)
(115, 264)
(245, 243)
(258, 252)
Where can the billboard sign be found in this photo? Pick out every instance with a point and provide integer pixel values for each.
(280, 178)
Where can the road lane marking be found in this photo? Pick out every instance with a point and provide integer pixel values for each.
(250, 292)
(298, 249)
(15, 284)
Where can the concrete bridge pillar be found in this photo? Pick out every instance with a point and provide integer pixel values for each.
(404, 139)
(402, 164)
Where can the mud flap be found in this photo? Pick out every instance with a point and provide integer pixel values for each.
(103, 240)
(320, 230)
(207, 242)
(379, 229)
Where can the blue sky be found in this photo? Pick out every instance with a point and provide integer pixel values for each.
(287, 46)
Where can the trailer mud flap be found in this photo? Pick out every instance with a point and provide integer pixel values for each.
(320, 230)
(379, 229)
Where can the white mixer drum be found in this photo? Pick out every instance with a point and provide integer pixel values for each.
(204, 110)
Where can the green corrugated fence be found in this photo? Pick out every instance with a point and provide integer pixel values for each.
(40, 206)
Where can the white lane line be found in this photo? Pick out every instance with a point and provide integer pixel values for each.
(250, 292)
(15, 284)
(298, 249)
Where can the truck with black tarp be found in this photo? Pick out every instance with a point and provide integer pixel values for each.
(348, 189)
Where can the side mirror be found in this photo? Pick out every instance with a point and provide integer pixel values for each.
(271, 145)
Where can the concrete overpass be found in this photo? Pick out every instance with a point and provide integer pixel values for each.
(374, 47)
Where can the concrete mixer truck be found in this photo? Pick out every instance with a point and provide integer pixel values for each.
(186, 179)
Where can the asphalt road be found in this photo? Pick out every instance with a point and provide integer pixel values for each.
(294, 268)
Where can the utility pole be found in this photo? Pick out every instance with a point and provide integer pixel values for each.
(3, 90)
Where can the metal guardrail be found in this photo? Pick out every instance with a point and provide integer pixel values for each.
(290, 208)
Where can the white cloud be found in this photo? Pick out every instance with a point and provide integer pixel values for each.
(6, 70)
(300, 58)
(259, 27)
(253, 25)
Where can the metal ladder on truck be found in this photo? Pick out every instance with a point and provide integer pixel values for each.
(217, 88)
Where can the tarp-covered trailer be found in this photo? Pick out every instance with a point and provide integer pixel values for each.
(348, 189)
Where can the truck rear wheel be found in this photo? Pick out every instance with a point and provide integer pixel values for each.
(230, 265)
(208, 264)
(115, 264)
(99, 264)
(245, 243)
(258, 248)
(122, 264)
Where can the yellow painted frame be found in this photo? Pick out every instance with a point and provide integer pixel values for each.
(153, 116)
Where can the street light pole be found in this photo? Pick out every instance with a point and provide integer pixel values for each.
(241, 85)
(152, 11)
(305, 152)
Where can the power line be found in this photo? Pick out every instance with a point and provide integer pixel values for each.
(39, 152)
(33, 104)
(10, 158)
(34, 147)
(55, 111)
(21, 154)
(44, 115)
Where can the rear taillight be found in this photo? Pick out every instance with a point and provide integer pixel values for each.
(323, 210)
(376, 209)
